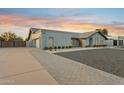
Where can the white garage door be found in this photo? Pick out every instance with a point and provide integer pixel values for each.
(37, 43)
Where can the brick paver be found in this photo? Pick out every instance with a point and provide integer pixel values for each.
(67, 71)
(109, 60)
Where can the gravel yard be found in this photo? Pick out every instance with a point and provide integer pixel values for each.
(108, 60)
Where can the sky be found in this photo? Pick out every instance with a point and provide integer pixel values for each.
(20, 20)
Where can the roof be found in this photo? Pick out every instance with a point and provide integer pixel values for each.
(89, 34)
(86, 34)
(115, 37)
(74, 34)
(37, 29)
(34, 30)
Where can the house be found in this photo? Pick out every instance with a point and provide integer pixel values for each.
(115, 41)
(93, 39)
(41, 38)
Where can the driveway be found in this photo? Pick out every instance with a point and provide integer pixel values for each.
(109, 60)
(35, 66)
(18, 66)
(68, 71)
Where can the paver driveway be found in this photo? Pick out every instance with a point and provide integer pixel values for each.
(67, 71)
(109, 60)
(18, 66)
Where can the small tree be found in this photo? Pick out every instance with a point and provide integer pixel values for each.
(1, 39)
(26, 39)
(98, 29)
(10, 36)
(105, 31)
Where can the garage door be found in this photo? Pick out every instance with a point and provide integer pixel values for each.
(37, 43)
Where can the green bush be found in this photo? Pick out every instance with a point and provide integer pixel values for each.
(55, 48)
(59, 47)
(63, 47)
(45, 48)
(50, 48)
(67, 46)
(70, 46)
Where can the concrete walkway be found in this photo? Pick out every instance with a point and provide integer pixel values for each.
(67, 71)
(18, 66)
(73, 49)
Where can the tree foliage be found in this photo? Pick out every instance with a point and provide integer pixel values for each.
(104, 31)
(9, 36)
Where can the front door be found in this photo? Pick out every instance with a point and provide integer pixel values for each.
(50, 42)
(80, 42)
(90, 41)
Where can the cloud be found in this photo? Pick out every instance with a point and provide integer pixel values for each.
(12, 20)
(81, 23)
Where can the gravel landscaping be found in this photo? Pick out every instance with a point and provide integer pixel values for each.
(108, 60)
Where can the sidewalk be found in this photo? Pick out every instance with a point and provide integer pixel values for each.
(18, 66)
(73, 49)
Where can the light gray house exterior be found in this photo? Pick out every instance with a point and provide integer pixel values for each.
(117, 41)
(95, 38)
(41, 38)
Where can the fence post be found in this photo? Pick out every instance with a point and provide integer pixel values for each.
(0, 43)
(13, 43)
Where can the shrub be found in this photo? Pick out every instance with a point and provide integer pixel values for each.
(67, 46)
(59, 47)
(70, 46)
(63, 47)
(50, 48)
(45, 48)
(88, 46)
(55, 48)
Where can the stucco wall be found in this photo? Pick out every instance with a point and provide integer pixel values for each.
(121, 38)
(109, 43)
(33, 38)
(86, 42)
(35, 35)
(60, 38)
(97, 39)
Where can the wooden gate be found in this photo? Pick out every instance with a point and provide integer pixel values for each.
(12, 43)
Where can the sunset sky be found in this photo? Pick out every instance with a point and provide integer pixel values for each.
(73, 19)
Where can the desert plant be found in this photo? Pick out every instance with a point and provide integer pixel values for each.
(55, 48)
(67, 46)
(70, 46)
(50, 48)
(10, 36)
(59, 47)
(45, 48)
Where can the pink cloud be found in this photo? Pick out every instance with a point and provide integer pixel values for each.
(75, 23)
